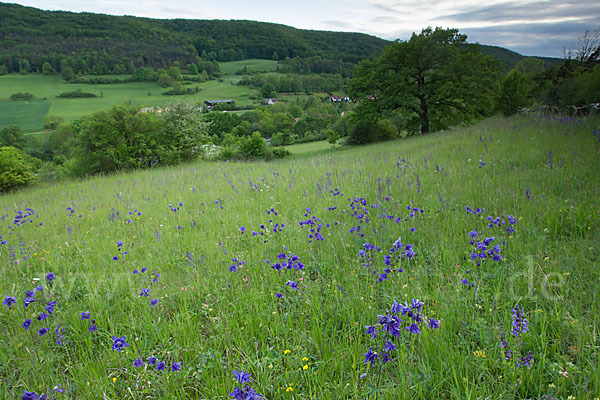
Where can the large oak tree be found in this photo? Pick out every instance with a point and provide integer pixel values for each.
(433, 80)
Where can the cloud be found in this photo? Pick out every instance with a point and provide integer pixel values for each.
(532, 39)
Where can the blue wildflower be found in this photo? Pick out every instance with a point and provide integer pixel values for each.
(9, 301)
(119, 343)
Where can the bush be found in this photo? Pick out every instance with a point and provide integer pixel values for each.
(21, 96)
(280, 152)
(51, 122)
(253, 147)
(332, 136)
(180, 90)
(15, 170)
(77, 94)
(12, 136)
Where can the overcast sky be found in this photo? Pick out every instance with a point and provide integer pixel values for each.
(529, 27)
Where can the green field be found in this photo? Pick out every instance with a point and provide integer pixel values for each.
(231, 67)
(31, 118)
(210, 303)
(29, 115)
(310, 148)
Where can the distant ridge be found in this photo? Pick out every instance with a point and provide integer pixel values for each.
(101, 44)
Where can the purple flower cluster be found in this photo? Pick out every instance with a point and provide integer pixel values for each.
(287, 261)
(243, 392)
(476, 211)
(315, 226)
(397, 252)
(34, 396)
(399, 318)
(85, 315)
(520, 324)
(236, 263)
(158, 365)
(484, 250)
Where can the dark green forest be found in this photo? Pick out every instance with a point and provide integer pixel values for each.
(103, 44)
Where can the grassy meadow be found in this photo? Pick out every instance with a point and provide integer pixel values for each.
(162, 287)
(30, 115)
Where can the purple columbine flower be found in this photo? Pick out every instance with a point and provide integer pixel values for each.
(414, 328)
(370, 356)
(85, 315)
(9, 301)
(160, 366)
(241, 376)
(145, 292)
(26, 324)
(138, 363)
(153, 302)
(151, 360)
(50, 307)
(433, 323)
(371, 330)
(175, 366)
(119, 343)
(50, 276)
(43, 331)
(31, 396)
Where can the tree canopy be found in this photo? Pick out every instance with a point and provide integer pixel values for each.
(433, 80)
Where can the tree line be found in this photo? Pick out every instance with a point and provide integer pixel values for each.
(102, 44)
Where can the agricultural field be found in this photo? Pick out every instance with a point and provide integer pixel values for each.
(456, 265)
(231, 67)
(30, 115)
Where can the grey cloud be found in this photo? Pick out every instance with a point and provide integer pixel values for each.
(528, 11)
(531, 39)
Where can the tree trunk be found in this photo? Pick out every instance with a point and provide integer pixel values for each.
(424, 115)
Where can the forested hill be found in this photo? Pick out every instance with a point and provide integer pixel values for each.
(102, 44)
(98, 43)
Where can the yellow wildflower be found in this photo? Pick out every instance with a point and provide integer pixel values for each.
(286, 352)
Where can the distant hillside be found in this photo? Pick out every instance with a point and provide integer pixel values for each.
(102, 44)
(97, 43)
(509, 58)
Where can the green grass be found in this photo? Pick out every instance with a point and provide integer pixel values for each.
(310, 147)
(48, 87)
(544, 172)
(231, 67)
(29, 115)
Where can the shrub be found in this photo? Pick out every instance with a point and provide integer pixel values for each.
(12, 136)
(21, 96)
(253, 147)
(15, 170)
(77, 94)
(280, 152)
(51, 122)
